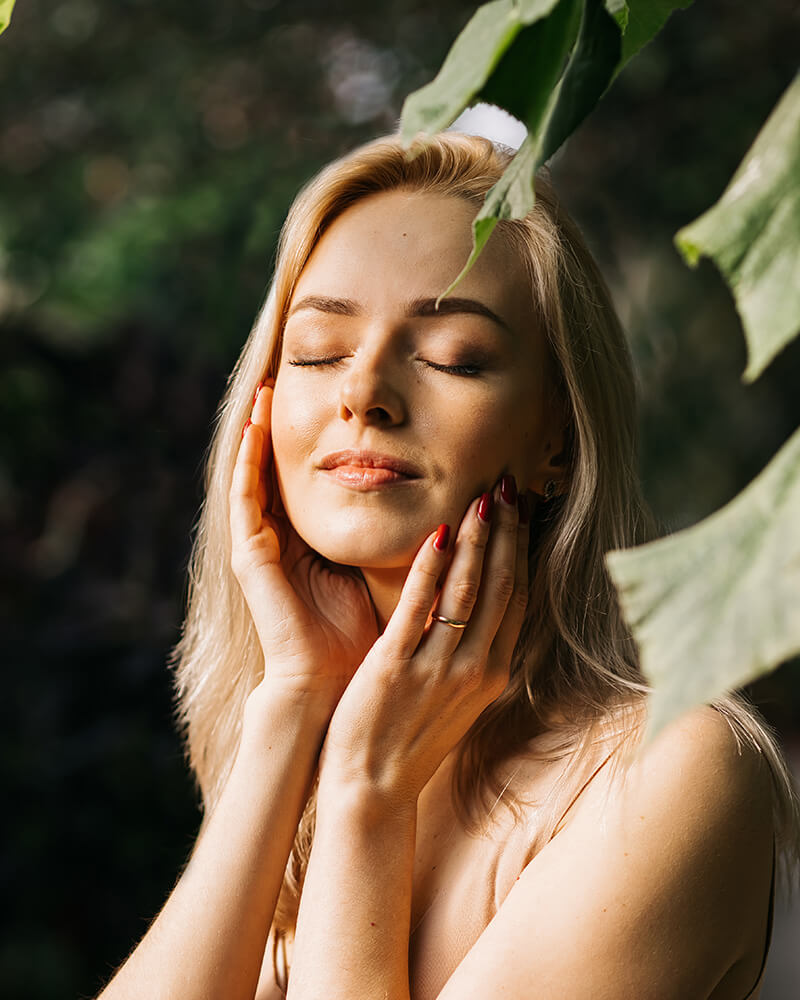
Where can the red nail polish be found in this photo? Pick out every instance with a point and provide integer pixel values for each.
(442, 537)
(485, 508)
(524, 509)
(508, 489)
(247, 423)
(259, 387)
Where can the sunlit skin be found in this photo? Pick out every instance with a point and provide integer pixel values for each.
(386, 420)
(462, 394)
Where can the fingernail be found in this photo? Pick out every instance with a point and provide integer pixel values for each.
(442, 537)
(485, 508)
(259, 387)
(508, 490)
(247, 423)
(524, 509)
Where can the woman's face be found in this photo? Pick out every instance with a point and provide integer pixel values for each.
(389, 417)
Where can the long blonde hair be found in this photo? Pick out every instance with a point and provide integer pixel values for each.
(575, 665)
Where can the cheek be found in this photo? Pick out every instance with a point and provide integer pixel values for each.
(506, 437)
(295, 421)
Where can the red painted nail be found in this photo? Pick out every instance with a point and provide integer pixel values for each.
(247, 423)
(259, 387)
(524, 509)
(508, 489)
(485, 508)
(442, 537)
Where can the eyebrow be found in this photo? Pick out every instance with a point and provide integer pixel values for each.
(416, 307)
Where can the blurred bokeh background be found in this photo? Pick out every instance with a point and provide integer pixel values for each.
(148, 153)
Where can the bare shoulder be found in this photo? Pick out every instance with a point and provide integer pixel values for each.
(702, 757)
(700, 799)
(657, 887)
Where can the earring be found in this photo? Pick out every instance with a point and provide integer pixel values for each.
(549, 489)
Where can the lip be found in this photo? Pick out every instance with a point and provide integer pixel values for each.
(366, 470)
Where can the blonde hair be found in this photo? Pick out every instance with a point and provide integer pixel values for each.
(575, 668)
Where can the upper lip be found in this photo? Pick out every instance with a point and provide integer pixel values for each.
(370, 460)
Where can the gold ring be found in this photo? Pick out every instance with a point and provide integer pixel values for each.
(452, 622)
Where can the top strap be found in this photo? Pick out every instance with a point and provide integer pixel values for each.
(770, 916)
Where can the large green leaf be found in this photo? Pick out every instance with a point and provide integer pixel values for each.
(591, 67)
(753, 234)
(469, 64)
(524, 79)
(6, 6)
(645, 18)
(718, 604)
(547, 62)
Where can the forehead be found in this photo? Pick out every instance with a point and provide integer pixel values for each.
(397, 246)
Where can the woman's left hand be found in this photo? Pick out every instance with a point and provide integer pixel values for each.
(424, 682)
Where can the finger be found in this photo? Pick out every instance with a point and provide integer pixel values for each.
(406, 627)
(246, 510)
(462, 581)
(261, 416)
(499, 573)
(508, 632)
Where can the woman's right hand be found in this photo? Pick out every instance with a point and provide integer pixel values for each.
(315, 621)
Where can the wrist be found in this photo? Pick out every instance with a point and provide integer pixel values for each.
(279, 707)
(371, 803)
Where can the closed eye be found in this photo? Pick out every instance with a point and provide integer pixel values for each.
(315, 362)
(469, 370)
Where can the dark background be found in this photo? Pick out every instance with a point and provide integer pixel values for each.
(148, 153)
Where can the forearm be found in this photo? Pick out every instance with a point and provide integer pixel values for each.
(353, 928)
(208, 941)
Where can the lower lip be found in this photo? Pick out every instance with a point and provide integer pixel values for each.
(357, 477)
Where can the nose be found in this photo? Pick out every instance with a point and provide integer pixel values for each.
(370, 391)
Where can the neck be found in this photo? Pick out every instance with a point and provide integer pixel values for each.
(384, 587)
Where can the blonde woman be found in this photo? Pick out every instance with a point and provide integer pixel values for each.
(408, 693)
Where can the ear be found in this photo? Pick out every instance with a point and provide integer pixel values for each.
(549, 477)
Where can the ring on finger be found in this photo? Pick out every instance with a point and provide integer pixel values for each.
(452, 622)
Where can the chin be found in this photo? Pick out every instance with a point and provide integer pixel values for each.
(366, 547)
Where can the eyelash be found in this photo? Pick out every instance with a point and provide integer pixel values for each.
(467, 371)
(316, 363)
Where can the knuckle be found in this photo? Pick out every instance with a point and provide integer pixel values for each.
(508, 526)
(519, 598)
(426, 576)
(418, 604)
(465, 592)
(477, 533)
(504, 584)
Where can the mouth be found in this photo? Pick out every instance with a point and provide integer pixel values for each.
(366, 470)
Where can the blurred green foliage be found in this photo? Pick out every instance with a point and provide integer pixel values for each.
(148, 153)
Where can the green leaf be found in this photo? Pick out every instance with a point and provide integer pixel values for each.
(645, 18)
(753, 235)
(472, 59)
(716, 605)
(618, 9)
(523, 80)
(512, 197)
(6, 6)
(590, 70)
(547, 62)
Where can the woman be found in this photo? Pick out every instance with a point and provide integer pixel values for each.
(407, 689)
